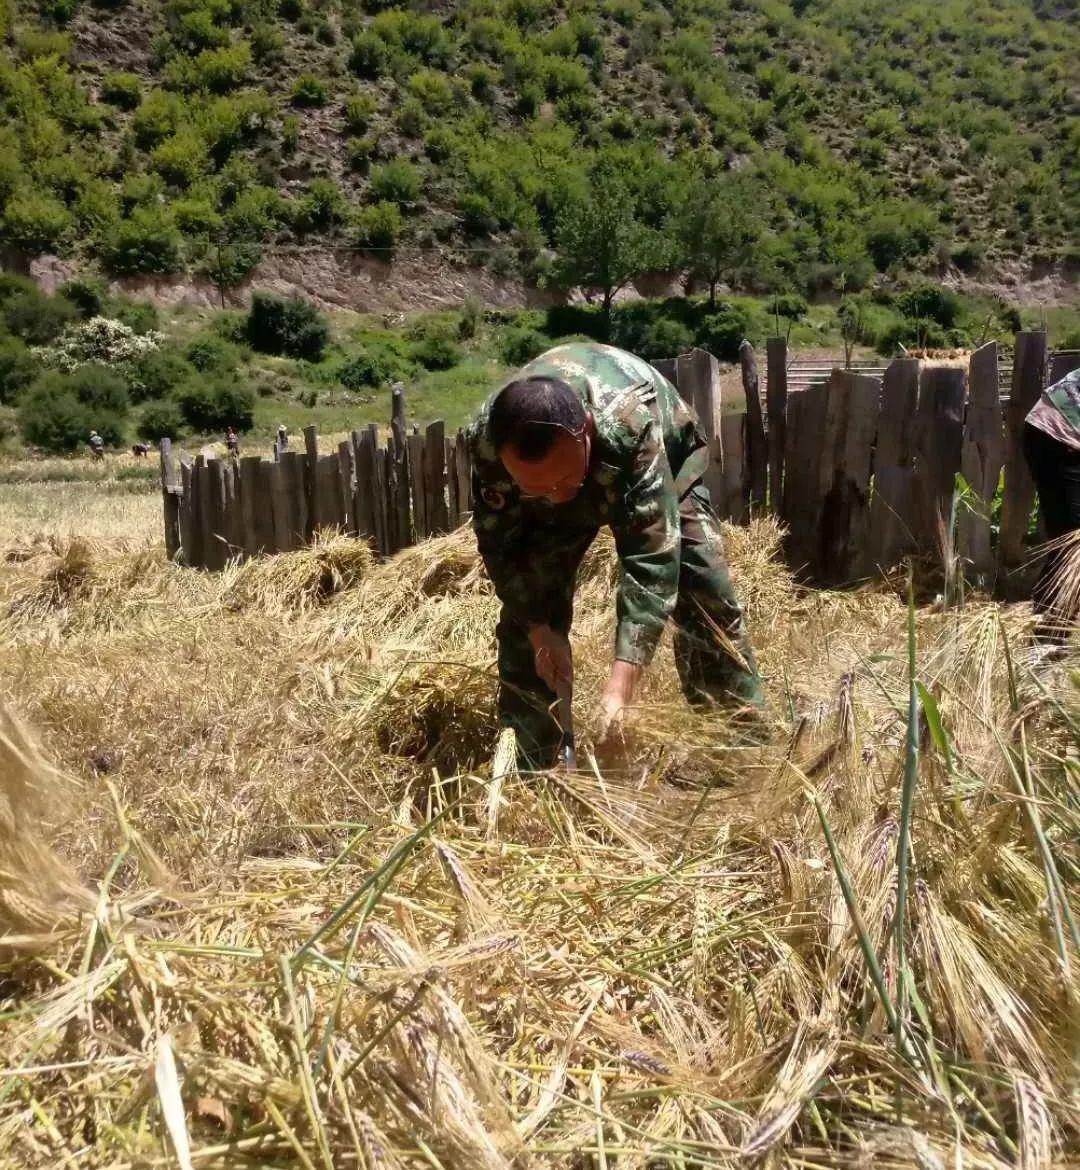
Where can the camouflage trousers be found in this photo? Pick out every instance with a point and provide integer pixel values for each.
(713, 653)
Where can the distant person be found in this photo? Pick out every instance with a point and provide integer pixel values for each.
(140, 450)
(282, 438)
(232, 441)
(1052, 447)
(589, 436)
(97, 445)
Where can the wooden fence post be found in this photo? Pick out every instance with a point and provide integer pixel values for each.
(892, 510)
(699, 385)
(251, 501)
(189, 525)
(202, 493)
(776, 394)
(463, 470)
(939, 434)
(415, 443)
(669, 368)
(804, 444)
(733, 452)
(981, 458)
(264, 474)
(311, 449)
(854, 404)
(170, 499)
(399, 486)
(378, 492)
(1029, 363)
(756, 452)
(347, 483)
(281, 505)
(435, 476)
(363, 506)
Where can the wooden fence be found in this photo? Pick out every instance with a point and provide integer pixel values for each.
(861, 469)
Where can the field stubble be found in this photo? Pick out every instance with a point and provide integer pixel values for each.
(303, 919)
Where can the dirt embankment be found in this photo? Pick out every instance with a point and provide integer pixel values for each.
(340, 278)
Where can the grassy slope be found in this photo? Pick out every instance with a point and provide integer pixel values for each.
(967, 109)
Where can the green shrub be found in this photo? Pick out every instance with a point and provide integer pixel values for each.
(140, 317)
(34, 317)
(267, 44)
(290, 134)
(370, 368)
(790, 306)
(123, 90)
(195, 215)
(414, 34)
(35, 222)
(437, 352)
(17, 369)
(722, 332)
(369, 56)
(148, 241)
(255, 214)
(96, 209)
(158, 117)
(930, 301)
(899, 232)
(160, 420)
(410, 118)
(358, 152)
(228, 265)
(396, 182)
(359, 109)
(322, 206)
(308, 91)
(52, 418)
(376, 226)
(521, 343)
(87, 294)
(142, 189)
(433, 90)
(483, 80)
(101, 390)
(180, 160)
(210, 353)
(157, 374)
(208, 405)
(293, 327)
(216, 70)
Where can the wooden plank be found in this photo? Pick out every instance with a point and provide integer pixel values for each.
(363, 505)
(463, 470)
(281, 511)
(776, 394)
(669, 368)
(250, 501)
(435, 476)
(347, 482)
(892, 505)
(854, 406)
(311, 473)
(234, 516)
(982, 455)
(262, 510)
(803, 475)
(170, 500)
(327, 494)
(713, 480)
(1029, 363)
(215, 545)
(189, 513)
(378, 492)
(453, 511)
(733, 459)
(699, 386)
(206, 504)
(939, 435)
(756, 457)
(415, 444)
(295, 480)
(1061, 363)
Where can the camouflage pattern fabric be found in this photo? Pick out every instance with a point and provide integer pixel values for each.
(647, 458)
(1058, 410)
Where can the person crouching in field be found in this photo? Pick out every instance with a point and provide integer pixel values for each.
(1052, 448)
(583, 436)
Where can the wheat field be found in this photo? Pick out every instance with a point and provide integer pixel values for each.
(272, 893)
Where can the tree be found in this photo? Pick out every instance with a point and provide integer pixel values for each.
(719, 226)
(602, 242)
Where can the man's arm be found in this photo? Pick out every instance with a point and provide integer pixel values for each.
(647, 538)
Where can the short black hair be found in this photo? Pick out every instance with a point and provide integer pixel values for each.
(527, 414)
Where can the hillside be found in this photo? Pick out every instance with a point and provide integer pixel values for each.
(762, 144)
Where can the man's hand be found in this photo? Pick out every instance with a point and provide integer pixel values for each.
(551, 654)
(618, 694)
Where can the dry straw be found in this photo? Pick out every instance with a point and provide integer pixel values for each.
(328, 929)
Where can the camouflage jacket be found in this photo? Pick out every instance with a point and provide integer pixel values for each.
(646, 439)
(1058, 410)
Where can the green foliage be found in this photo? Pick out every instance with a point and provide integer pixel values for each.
(396, 182)
(376, 226)
(180, 160)
(35, 222)
(309, 91)
(436, 352)
(87, 294)
(292, 327)
(148, 241)
(321, 207)
(31, 315)
(159, 115)
(213, 70)
(123, 90)
(211, 354)
(358, 152)
(160, 420)
(376, 364)
(59, 410)
(359, 109)
(930, 301)
(369, 56)
(213, 404)
(17, 369)
(433, 90)
(159, 373)
(520, 343)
